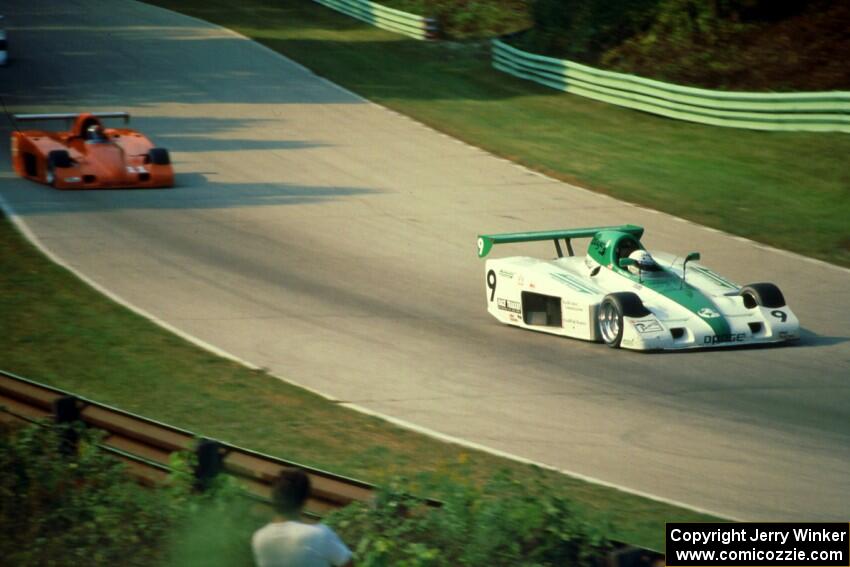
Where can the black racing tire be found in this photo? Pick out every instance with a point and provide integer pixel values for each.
(611, 312)
(159, 156)
(59, 158)
(762, 295)
(56, 159)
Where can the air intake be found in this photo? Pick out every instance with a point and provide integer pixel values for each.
(677, 332)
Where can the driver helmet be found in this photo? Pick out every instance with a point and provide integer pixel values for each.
(644, 262)
(95, 133)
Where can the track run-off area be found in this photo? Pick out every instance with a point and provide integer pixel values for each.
(332, 242)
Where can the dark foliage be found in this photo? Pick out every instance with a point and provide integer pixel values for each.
(81, 508)
(728, 44)
(584, 29)
(507, 523)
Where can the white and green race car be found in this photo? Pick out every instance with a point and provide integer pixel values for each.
(620, 294)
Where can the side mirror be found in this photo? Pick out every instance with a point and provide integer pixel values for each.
(689, 258)
(626, 262)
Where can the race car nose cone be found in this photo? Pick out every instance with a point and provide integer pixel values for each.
(109, 160)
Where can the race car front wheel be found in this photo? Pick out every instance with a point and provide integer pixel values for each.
(610, 322)
(762, 295)
(56, 158)
(610, 316)
(159, 156)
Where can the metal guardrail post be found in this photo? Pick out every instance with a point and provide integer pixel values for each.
(209, 463)
(432, 28)
(66, 413)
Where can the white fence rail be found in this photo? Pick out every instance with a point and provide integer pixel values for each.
(411, 25)
(813, 111)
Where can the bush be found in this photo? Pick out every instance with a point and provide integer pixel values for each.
(465, 19)
(83, 508)
(530, 527)
(58, 510)
(583, 29)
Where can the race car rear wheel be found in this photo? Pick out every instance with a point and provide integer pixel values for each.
(762, 295)
(159, 156)
(611, 312)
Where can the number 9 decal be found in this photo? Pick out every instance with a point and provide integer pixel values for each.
(781, 315)
(480, 246)
(491, 283)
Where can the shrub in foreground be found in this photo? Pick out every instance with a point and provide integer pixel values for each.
(505, 523)
(82, 508)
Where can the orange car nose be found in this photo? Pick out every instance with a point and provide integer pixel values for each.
(108, 161)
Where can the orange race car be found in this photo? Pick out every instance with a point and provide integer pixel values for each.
(89, 156)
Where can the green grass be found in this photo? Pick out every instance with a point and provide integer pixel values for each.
(58, 331)
(790, 190)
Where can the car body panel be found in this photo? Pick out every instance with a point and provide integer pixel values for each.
(121, 160)
(562, 296)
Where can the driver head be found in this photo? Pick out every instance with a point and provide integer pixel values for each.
(644, 261)
(95, 132)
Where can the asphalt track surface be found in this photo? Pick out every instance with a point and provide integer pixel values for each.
(333, 242)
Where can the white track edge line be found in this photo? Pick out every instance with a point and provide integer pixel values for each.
(503, 454)
(21, 225)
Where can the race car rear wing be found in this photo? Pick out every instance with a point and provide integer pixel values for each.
(486, 241)
(68, 117)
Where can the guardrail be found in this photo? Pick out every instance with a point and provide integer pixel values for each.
(813, 111)
(146, 447)
(411, 25)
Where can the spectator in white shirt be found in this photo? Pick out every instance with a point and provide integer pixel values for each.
(289, 542)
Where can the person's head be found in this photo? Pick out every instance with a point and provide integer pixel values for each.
(290, 491)
(626, 246)
(95, 132)
(644, 262)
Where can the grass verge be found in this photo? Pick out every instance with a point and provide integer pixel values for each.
(59, 331)
(790, 190)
